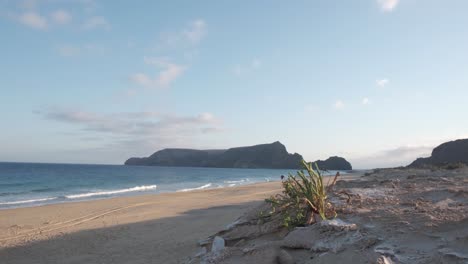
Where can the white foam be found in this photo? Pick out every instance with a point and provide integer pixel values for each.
(234, 182)
(194, 189)
(28, 201)
(134, 189)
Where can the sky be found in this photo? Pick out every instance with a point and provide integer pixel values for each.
(379, 82)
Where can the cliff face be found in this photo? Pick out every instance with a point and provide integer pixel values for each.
(272, 155)
(177, 157)
(449, 152)
(334, 163)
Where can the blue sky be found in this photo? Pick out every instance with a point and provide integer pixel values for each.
(379, 82)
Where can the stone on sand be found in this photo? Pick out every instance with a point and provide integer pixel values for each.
(218, 244)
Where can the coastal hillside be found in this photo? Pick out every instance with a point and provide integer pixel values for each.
(334, 163)
(268, 156)
(446, 153)
(272, 155)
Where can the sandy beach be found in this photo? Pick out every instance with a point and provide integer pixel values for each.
(387, 216)
(161, 228)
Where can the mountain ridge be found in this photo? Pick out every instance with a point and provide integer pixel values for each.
(266, 156)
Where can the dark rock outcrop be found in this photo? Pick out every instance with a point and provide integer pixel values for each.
(272, 155)
(446, 153)
(334, 163)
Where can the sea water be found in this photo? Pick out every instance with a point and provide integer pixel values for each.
(33, 184)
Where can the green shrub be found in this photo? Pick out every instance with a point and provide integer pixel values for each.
(304, 197)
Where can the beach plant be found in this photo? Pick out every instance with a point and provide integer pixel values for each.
(304, 200)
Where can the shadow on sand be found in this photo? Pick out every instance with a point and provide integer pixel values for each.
(166, 240)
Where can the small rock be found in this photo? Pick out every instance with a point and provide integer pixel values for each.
(338, 224)
(240, 242)
(232, 225)
(285, 258)
(204, 242)
(453, 255)
(202, 252)
(384, 260)
(218, 244)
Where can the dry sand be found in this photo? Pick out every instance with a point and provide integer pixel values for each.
(161, 228)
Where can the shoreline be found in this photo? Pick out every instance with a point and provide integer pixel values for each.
(138, 196)
(129, 195)
(81, 197)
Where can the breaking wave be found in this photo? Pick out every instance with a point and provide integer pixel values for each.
(28, 201)
(134, 189)
(197, 188)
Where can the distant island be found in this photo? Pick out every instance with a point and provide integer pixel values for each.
(265, 156)
(334, 163)
(446, 153)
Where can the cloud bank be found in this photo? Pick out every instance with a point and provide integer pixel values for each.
(111, 137)
(136, 124)
(400, 156)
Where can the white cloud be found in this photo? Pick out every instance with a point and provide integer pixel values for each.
(167, 74)
(388, 5)
(114, 136)
(382, 82)
(137, 125)
(253, 65)
(196, 31)
(189, 36)
(400, 156)
(96, 22)
(142, 79)
(339, 104)
(365, 101)
(206, 117)
(403, 155)
(33, 20)
(61, 17)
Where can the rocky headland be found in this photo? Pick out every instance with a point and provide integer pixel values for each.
(449, 153)
(267, 156)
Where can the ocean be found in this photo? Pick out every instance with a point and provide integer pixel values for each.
(33, 184)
